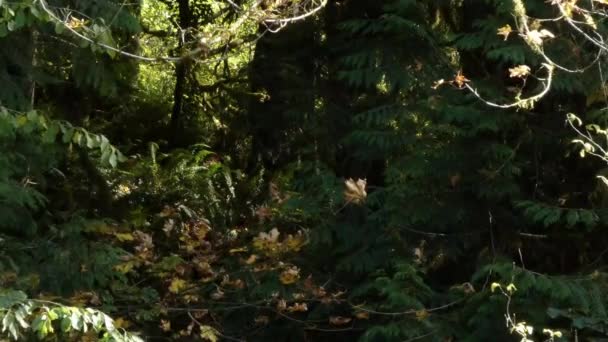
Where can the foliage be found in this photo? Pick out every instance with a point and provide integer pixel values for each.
(302, 170)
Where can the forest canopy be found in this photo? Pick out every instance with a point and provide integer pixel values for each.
(303, 170)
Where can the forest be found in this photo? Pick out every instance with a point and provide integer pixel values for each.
(303, 170)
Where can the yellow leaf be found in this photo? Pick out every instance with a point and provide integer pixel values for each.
(238, 250)
(589, 21)
(125, 267)
(421, 315)
(124, 236)
(165, 325)
(121, 323)
(505, 31)
(494, 286)
(519, 71)
(511, 288)
(208, 333)
(177, 285)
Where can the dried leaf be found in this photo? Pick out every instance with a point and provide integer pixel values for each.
(281, 305)
(298, 307)
(262, 320)
(362, 315)
(252, 259)
(165, 325)
(290, 275)
(124, 236)
(355, 191)
(460, 80)
(519, 71)
(339, 320)
(217, 295)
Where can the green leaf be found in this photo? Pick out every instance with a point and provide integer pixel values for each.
(572, 218)
(59, 28)
(552, 217)
(91, 140)
(8, 298)
(20, 19)
(51, 133)
(113, 159)
(67, 132)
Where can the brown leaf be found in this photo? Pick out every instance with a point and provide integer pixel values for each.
(281, 305)
(261, 320)
(362, 315)
(290, 275)
(217, 295)
(355, 191)
(298, 307)
(455, 179)
(252, 259)
(339, 320)
(165, 325)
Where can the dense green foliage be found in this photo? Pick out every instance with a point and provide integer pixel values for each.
(206, 170)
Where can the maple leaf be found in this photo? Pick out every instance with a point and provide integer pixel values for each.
(504, 31)
(519, 71)
(355, 191)
(460, 80)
